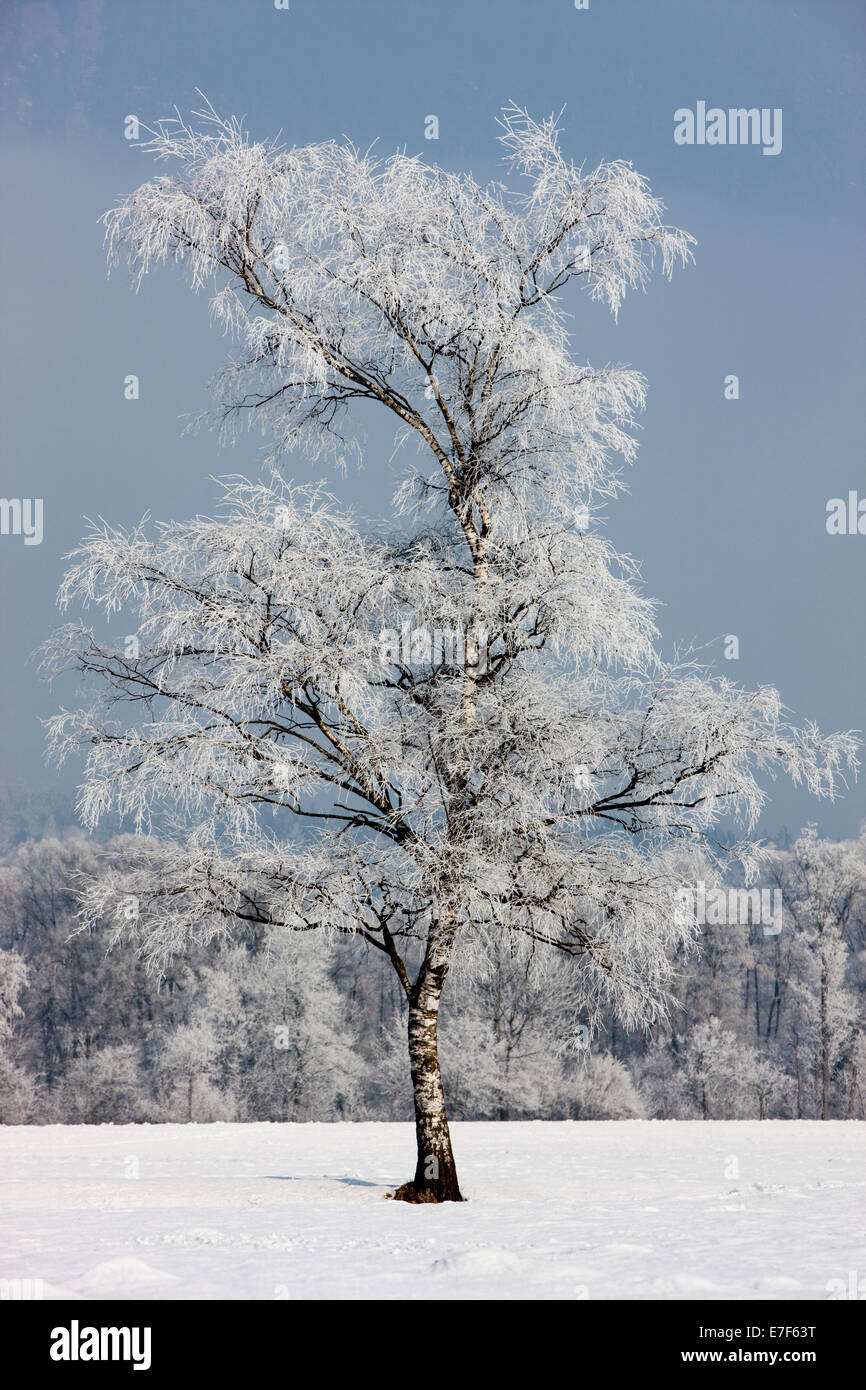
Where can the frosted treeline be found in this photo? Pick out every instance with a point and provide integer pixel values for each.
(273, 1026)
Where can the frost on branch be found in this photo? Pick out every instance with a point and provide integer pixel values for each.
(262, 696)
(343, 276)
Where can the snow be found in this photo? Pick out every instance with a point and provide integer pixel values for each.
(609, 1210)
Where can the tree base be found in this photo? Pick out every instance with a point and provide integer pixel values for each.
(427, 1192)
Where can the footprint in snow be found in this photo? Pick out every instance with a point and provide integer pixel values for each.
(120, 1275)
(475, 1262)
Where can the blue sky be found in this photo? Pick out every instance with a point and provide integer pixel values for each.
(728, 498)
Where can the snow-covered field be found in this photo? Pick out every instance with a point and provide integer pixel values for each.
(614, 1210)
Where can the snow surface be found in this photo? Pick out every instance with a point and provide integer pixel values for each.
(618, 1210)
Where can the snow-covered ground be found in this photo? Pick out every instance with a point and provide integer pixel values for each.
(617, 1210)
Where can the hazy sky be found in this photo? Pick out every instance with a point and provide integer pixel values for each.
(728, 498)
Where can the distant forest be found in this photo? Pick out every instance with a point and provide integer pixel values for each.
(271, 1026)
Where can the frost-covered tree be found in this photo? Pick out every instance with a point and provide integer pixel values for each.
(104, 1086)
(729, 1079)
(13, 978)
(813, 1008)
(283, 1044)
(467, 721)
(183, 1069)
(856, 1106)
(79, 998)
(16, 1087)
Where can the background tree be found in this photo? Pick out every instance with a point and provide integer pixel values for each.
(729, 1080)
(814, 1005)
(16, 1087)
(183, 1068)
(284, 1042)
(538, 777)
(103, 1087)
(78, 999)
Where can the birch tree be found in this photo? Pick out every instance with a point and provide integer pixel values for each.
(535, 769)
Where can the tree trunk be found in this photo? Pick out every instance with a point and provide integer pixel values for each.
(435, 1177)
